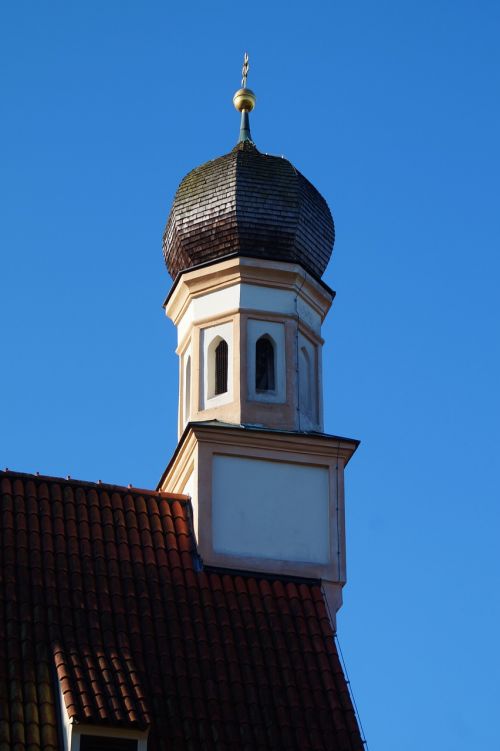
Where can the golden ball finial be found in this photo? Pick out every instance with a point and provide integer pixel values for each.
(244, 100)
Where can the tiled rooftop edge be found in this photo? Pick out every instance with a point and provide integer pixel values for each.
(98, 484)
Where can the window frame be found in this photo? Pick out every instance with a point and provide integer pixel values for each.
(210, 337)
(73, 735)
(276, 330)
(107, 743)
(269, 373)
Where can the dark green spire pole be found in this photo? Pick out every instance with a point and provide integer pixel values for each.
(245, 134)
(244, 101)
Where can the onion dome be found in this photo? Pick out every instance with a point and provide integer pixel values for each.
(246, 203)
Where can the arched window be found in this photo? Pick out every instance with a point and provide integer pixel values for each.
(221, 367)
(264, 364)
(305, 383)
(187, 390)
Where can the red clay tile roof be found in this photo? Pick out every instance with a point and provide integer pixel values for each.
(101, 588)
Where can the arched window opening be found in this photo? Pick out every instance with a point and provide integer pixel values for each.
(264, 364)
(187, 391)
(221, 367)
(305, 384)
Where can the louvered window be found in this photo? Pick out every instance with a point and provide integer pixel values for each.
(102, 743)
(221, 367)
(264, 365)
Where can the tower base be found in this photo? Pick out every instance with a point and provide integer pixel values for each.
(265, 500)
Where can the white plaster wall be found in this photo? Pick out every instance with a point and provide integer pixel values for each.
(67, 726)
(276, 331)
(275, 510)
(308, 384)
(185, 401)
(307, 314)
(268, 299)
(250, 296)
(190, 489)
(212, 304)
(225, 331)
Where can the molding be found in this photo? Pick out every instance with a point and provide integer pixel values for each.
(321, 445)
(192, 464)
(230, 256)
(204, 323)
(255, 313)
(243, 270)
(251, 435)
(332, 594)
(141, 736)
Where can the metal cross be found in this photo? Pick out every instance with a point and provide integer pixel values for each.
(244, 71)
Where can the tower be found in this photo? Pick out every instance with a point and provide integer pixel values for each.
(114, 636)
(247, 241)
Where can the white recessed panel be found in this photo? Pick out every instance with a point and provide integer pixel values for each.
(283, 302)
(276, 333)
(266, 509)
(209, 336)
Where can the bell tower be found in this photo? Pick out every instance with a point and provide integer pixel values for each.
(249, 343)
(247, 241)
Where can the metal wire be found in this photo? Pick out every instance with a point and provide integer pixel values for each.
(351, 693)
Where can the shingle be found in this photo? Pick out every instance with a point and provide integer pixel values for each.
(249, 204)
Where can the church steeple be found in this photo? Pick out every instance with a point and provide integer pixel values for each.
(247, 241)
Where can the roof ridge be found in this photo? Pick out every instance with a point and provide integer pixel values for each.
(89, 483)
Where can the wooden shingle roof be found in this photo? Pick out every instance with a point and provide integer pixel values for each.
(249, 204)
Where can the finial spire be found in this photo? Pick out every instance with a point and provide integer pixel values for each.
(244, 101)
(244, 70)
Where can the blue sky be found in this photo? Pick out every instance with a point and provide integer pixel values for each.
(391, 109)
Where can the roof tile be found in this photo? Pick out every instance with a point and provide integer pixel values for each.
(99, 587)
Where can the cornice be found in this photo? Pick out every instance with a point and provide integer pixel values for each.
(242, 270)
(320, 445)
